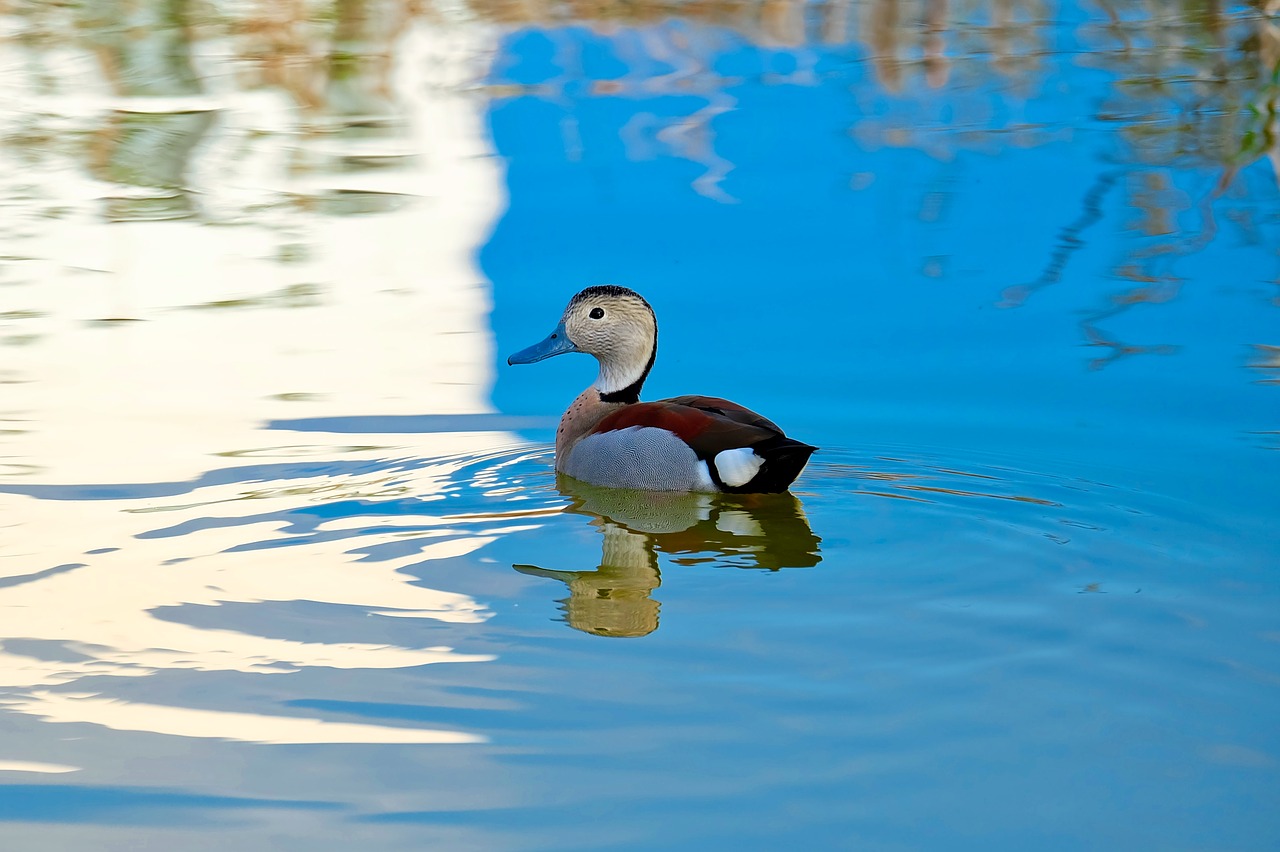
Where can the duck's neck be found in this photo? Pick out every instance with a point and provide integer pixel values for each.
(622, 374)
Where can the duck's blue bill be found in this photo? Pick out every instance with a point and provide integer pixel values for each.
(557, 344)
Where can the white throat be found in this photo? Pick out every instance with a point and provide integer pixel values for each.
(618, 373)
(623, 366)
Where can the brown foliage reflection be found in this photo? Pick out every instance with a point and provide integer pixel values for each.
(1197, 85)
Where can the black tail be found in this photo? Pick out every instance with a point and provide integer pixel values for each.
(784, 458)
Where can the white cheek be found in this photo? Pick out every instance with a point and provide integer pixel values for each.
(589, 336)
(737, 467)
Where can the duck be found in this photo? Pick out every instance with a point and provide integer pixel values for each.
(609, 438)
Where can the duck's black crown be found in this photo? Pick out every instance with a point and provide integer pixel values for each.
(608, 290)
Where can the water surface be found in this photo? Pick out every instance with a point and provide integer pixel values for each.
(285, 562)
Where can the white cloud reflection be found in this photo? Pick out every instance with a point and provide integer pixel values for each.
(154, 350)
(32, 766)
(245, 727)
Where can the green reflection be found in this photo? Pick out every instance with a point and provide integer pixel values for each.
(767, 531)
(144, 47)
(144, 50)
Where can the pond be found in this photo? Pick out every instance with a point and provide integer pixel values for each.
(284, 561)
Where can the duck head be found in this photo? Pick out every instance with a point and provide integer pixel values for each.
(614, 324)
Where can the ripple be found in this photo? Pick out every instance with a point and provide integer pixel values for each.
(301, 559)
(353, 522)
(296, 451)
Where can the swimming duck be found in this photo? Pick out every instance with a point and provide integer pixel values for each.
(687, 443)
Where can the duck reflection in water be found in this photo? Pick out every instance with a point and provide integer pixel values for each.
(766, 531)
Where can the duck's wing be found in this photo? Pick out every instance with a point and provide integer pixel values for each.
(724, 408)
(707, 430)
(743, 451)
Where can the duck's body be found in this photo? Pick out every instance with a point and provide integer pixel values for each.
(687, 443)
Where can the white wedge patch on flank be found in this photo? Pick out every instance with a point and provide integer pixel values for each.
(703, 475)
(737, 467)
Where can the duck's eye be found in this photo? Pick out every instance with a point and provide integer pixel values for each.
(597, 313)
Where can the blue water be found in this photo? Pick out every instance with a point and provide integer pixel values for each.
(1025, 596)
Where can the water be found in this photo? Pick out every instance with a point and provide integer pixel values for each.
(285, 563)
